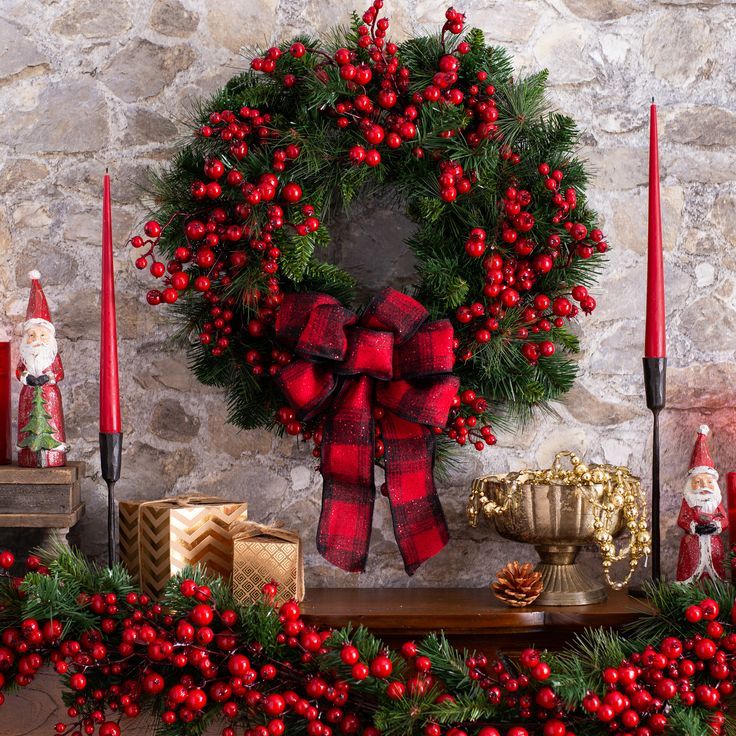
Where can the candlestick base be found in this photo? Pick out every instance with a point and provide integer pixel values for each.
(655, 386)
(111, 455)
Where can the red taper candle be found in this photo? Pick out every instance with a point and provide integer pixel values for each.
(731, 500)
(6, 448)
(655, 345)
(109, 385)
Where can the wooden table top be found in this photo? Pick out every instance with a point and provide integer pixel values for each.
(457, 610)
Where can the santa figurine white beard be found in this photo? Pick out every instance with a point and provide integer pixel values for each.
(38, 357)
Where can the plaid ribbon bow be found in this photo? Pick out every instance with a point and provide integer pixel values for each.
(390, 356)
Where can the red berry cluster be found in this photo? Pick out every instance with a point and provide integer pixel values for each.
(199, 660)
(464, 425)
(639, 691)
(453, 181)
(509, 277)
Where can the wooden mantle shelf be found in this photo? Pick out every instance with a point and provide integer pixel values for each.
(470, 617)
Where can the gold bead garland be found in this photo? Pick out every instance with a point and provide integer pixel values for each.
(609, 490)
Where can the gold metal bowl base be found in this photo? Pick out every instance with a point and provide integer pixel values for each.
(565, 582)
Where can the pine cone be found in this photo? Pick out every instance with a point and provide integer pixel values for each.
(518, 585)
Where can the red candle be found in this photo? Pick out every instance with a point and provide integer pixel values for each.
(5, 430)
(654, 343)
(109, 389)
(731, 500)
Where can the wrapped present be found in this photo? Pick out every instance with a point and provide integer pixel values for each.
(262, 554)
(160, 538)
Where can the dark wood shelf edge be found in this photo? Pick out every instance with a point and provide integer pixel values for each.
(462, 611)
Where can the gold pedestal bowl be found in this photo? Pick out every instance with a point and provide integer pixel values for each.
(559, 511)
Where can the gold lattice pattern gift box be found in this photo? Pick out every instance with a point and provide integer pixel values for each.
(159, 538)
(262, 554)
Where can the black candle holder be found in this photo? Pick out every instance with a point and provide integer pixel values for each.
(111, 455)
(655, 385)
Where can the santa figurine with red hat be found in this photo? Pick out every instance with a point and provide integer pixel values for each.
(702, 517)
(41, 440)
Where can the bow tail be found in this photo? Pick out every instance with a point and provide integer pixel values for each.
(348, 495)
(419, 522)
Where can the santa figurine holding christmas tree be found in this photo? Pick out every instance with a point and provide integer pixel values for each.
(41, 440)
(702, 517)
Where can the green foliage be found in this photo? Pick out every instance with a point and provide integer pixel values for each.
(576, 670)
(670, 601)
(449, 664)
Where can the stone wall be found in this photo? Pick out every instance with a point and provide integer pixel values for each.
(84, 85)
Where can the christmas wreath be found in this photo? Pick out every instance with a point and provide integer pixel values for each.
(196, 659)
(505, 247)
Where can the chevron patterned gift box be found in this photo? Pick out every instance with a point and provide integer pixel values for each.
(262, 554)
(159, 538)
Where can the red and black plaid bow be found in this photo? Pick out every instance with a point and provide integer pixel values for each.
(390, 356)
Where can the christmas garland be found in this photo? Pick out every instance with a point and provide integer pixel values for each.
(505, 247)
(197, 659)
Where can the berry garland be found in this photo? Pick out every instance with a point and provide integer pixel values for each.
(196, 659)
(506, 244)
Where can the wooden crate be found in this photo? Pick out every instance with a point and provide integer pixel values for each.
(41, 497)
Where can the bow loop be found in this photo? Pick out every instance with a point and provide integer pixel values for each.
(396, 312)
(427, 352)
(424, 401)
(370, 352)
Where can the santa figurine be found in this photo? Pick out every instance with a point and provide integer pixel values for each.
(702, 517)
(41, 440)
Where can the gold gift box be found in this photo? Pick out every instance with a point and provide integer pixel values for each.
(160, 538)
(262, 554)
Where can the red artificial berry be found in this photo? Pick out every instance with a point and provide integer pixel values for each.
(349, 654)
(360, 671)
(291, 192)
(396, 690)
(238, 665)
(579, 293)
(529, 658)
(109, 728)
(274, 704)
(475, 248)
(381, 666)
(553, 727)
(158, 269)
(561, 306)
(180, 280)
(170, 295)
(153, 683)
(547, 348)
(152, 229)
(705, 649)
(714, 629)
(509, 297)
(409, 649)
(588, 304)
(693, 614)
(710, 609)
(202, 615)
(541, 671)
(77, 681)
(297, 50)
(372, 157)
